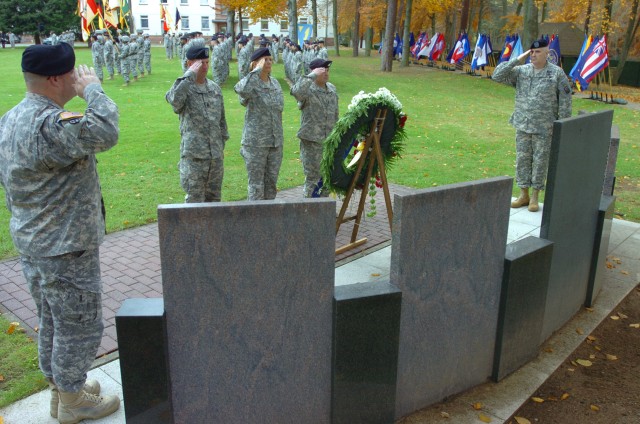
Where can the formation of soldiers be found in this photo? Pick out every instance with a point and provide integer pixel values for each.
(297, 60)
(127, 55)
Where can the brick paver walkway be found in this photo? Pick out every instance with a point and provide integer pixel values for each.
(131, 268)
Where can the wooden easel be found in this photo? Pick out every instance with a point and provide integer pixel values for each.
(373, 151)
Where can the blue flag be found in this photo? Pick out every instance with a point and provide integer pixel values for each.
(480, 54)
(554, 50)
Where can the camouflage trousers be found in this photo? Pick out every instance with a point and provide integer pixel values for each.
(124, 70)
(132, 62)
(201, 179)
(169, 52)
(118, 64)
(311, 156)
(98, 65)
(140, 62)
(147, 63)
(532, 159)
(67, 292)
(263, 167)
(109, 63)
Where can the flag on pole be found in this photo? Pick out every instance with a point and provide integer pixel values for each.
(517, 47)
(428, 45)
(554, 50)
(178, 19)
(461, 49)
(110, 19)
(422, 39)
(595, 60)
(479, 54)
(509, 42)
(575, 70)
(438, 47)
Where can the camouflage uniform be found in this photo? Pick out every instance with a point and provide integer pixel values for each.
(132, 56)
(140, 53)
(319, 114)
(243, 62)
(542, 96)
(262, 136)
(116, 54)
(168, 46)
(124, 61)
(97, 53)
(108, 56)
(217, 66)
(203, 128)
(147, 53)
(48, 171)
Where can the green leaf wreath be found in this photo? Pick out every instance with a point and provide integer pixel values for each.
(353, 127)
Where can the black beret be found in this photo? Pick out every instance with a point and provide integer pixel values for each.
(539, 43)
(260, 53)
(197, 53)
(320, 63)
(49, 61)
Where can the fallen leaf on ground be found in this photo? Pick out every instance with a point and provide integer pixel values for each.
(537, 399)
(591, 338)
(592, 356)
(623, 316)
(635, 325)
(598, 348)
(564, 396)
(12, 327)
(624, 272)
(549, 350)
(1, 377)
(584, 362)
(579, 331)
(612, 357)
(484, 418)
(570, 370)
(477, 406)
(444, 414)
(375, 274)
(522, 420)
(574, 363)
(614, 317)
(589, 309)
(594, 408)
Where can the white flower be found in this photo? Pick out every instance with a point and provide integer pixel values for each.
(383, 94)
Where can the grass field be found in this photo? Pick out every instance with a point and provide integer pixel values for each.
(457, 131)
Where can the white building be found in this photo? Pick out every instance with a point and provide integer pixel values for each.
(202, 15)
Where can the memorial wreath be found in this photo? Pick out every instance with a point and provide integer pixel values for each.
(348, 136)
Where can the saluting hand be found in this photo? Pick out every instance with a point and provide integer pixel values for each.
(84, 76)
(524, 55)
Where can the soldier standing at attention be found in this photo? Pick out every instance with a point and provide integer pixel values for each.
(124, 61)
(199, 104)
(108, 56)
(140, 52)
(97, 53)
(168, 45)
(146, 45)
(262, 135)
(318, 101)
(543, 95)
(132, 56)
(48, 171)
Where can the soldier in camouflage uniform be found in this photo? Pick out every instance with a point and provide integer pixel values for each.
(262, 135)
(140, 53)
(124, 62)
(108, 56)
(48, 171)
(543, 95)
(318, 101)
(146, 45)
(322, 50)
(118, 46)
(132, 56)
(181, 43)
(244, 58)
(199, 103)
(168, 45)
(97, 53)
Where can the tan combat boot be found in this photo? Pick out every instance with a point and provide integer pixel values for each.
(90, 386)
(75, 407)
(522, 200)
(533, 204)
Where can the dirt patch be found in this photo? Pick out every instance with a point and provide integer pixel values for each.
(600, 382)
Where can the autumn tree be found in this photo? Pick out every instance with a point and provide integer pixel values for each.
(387, 47)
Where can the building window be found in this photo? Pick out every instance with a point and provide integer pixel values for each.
(144, 21)
(264, 25)
(185, 22)
(145, 1)
(284, 26)
(204, 2)
(162, 1)
(184, 2)
(245, 25)
(303, 20)
(205, 23)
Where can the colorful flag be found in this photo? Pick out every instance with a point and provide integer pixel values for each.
(517, 47)
(479, 54)
(438, 47)
(397, 41)
(420, 43)
(595, 60)
(178, 18)
(509, 42)
(427, 46)
(488, 48)
(554, 50)
(461, 49)
(109, 18)
(575, 70)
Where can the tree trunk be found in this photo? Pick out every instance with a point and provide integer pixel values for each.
(481, 7)
(240, 21)
(355, 37)
(336, 36)
(231, 25)
(449, 31)
(314, 16)
(588, 18)
(530, 31)
(368, 41)
(629, 35)
(519, 8)
(606, 21)
(464, 15)
(406, 36)
(387, 49)
(292, 6)
(544, 11)
(433, 24)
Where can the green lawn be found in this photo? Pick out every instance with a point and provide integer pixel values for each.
(457, 131)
